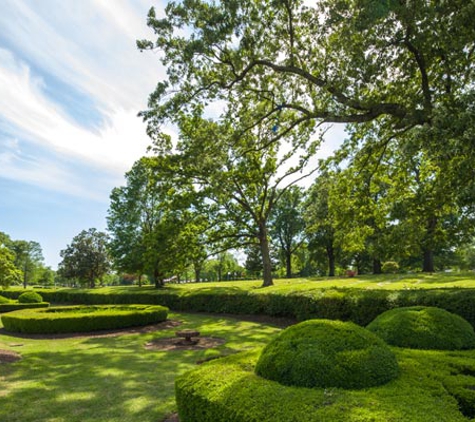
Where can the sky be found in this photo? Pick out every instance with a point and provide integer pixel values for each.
(71, 85)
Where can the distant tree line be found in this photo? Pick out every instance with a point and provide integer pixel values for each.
(22, 263)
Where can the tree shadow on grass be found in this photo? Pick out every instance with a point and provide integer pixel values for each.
(110, 378)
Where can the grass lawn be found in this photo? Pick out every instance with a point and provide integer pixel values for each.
(383, 281)
(109, 379)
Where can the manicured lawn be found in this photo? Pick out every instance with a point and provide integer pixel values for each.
(383, 281)
(109, 379)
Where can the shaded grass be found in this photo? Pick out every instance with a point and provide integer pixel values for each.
(111, 378)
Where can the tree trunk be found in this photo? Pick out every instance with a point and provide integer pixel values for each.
(428, 246)
(377, 266)
(331, 261)
(428, 261)
(265, 252)
(197, 273)
(288, 264)
(140, 280)
(157, 279)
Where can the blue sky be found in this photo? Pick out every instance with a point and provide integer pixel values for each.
(71, 84)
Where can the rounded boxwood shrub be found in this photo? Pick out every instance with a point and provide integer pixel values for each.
(71, 319)
(30, 297)
(421, 327)
(324, 353)
(228, 390)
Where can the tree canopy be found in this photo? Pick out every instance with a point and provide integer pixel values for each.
(86, 259)
(397, 64)
(399, 74)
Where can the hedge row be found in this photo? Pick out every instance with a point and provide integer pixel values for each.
(228, 390)
(15, 306)
(71, 319)
(359, 306)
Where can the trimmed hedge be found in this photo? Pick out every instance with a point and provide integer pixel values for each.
(420, 327)
(357, 305)
(323, 353)
(73, 319)
(15, 306)
(228, 390)
(4, 299)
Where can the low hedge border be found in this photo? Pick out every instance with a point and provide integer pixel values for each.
(357, 305)
(15, 306)
(72, 319)
(227, 390)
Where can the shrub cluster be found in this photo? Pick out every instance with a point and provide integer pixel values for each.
(323, 353)
(228, 390)
(82, 318)
(421, 327)
(30, 297)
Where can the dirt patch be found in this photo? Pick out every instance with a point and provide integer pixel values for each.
(172, 418)
(8, 356)
(165, 325)
(173, 343)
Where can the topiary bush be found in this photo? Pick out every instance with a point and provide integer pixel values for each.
(228, 390)
(323, 353)
(30, 297)
(420, 327)
(71, 319)
(390, 267)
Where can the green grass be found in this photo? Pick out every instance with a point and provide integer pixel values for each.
(109, 379)
(383, 281)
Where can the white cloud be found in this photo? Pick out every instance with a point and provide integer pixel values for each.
(88, 44)
(114, 146)
(15, 165)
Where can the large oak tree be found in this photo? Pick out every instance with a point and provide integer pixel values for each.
(399, 63)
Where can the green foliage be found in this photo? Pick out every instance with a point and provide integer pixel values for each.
(4, 299)
(361, 302)
(30, 297)
(153, 231)
(239, 178)
(86, 259)
(16, 306)
(390, 267)
(228, 390)
(82, 318)
(424, 328)
(320, 221)
(323, 353)
(9, 273)
(28, 258)
(287, 225)
(460, 386)
(111, 378)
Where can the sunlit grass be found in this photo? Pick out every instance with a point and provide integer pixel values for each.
(109, 379)
(383, 281)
